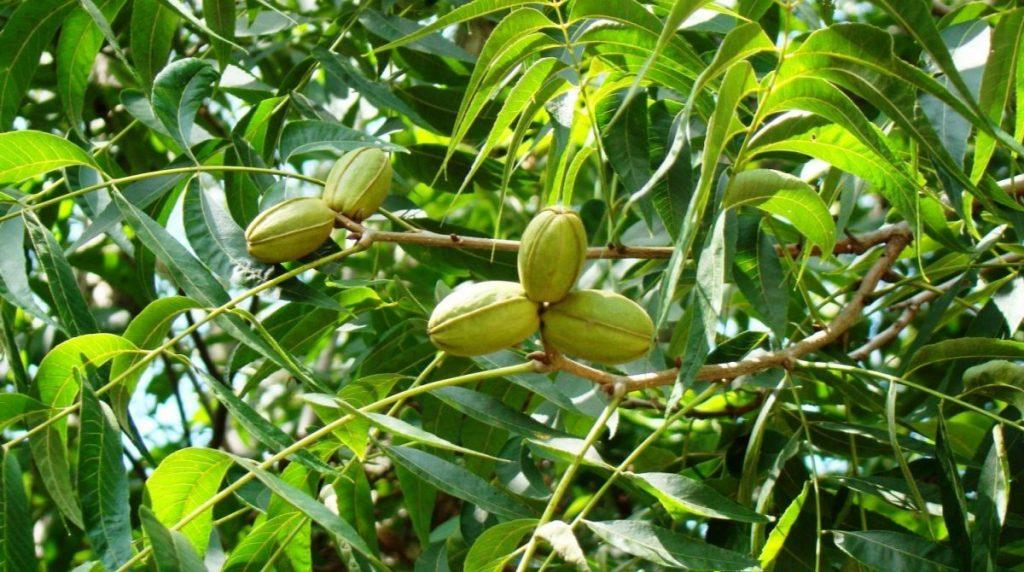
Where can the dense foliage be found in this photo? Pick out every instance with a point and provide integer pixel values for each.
(814, 202)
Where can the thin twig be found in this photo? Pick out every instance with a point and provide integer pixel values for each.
(911, 306)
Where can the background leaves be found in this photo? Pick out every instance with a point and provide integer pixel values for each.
(822, 196)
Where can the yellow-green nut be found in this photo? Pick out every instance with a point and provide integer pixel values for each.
(359, 182)
(552, 254)
(482, 318)
(289, 230)
(602, 327)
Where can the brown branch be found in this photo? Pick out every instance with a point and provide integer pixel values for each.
(849, 315)
(1012, 186)
(911, 306)
(849, 245)
(886, 336)
(858, 244)
(940, 9)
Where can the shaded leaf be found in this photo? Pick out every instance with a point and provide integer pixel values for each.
(662, 546)
(26, 33)
(171, 550)
(152, 31)
(178, 91)
(681, 495)
(103, 483)
(17, 549)
(456, 481)
(885, 550)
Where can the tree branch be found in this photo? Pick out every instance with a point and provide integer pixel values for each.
(849, 315)
(849, 245)
(911, 306)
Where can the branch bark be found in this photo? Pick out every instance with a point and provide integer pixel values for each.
(849, 315)
(911, 306)
(850, 245)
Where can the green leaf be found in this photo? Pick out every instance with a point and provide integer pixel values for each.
(860, 59)
(413, 433)
(759, 275)
(152, 32)
(178, 91)
(214, 236)
(146, 331)
(456, 481)
(359, 393)
(466, 12)
(103, 483)
(171, 550)
(991, 504)
(667, 548)
(916, 18)
(419, 498)
(520, 96)
(296, 542)
(433, 559)
(813, 136)
(377, 94)
(56, 382)
(254, 551)
(25, 154)
(26, 33)
(738, 82)
(491, 411)
(893, 490)
(310, 136)
(220, 17)
(17, 549)
(14, 269)
(17, 406)
(193, 277)
(626, 140)
(292, 325)
(300, 337)
(263, 430)
(885, 550)
(72, 310)
(495, 547)
(954, 505)
(320, 514)
(787, 196)
(80, 42)
(996, 84)
(261, 127)
(566, 450)
(965, 348)
(185, 12)
(681, 495)
(814, 95)
(677, 15)
(355, 503)
(634, 14)
(49, 452)
(393, 27)
(952, 129)
(785, 524)
(184, 480)
(513, 39)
